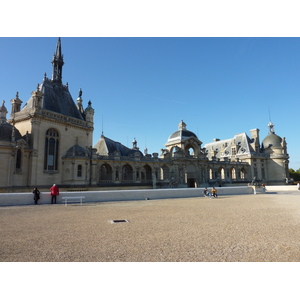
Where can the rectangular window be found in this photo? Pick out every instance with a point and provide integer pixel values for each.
(79, 170)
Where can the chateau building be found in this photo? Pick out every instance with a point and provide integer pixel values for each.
(50, 140)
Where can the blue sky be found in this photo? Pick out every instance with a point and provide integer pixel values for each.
(143, 87)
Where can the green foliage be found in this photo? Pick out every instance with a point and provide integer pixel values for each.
(295, 174)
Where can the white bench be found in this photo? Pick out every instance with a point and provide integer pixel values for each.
(72, 199)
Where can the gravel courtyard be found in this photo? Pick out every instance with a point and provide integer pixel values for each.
(245, 228)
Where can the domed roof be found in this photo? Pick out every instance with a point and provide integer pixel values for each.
(135, 152)
(181, 134)
(76, 151)
(6, 132)
(272, 140)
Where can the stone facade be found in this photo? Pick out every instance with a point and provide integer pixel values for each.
(49, 141)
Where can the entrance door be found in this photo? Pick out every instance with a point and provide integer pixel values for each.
(191, 182)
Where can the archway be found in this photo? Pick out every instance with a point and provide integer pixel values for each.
(165, 172)
(232, 174)
(105, 172)
(191, 172)
(146, 174)
(243, 174)
(127, 173)
(189, 151)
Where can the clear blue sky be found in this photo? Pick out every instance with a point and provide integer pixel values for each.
(143, 87)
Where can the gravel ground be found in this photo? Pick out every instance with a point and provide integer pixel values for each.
(245, 228)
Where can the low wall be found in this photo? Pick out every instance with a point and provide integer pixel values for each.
(9, 199)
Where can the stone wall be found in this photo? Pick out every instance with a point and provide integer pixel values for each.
(7, 199)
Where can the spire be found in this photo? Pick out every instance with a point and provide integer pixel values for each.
(16, 104)
(3, 112)
(57, 63)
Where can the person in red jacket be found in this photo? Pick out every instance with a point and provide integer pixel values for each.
(54, 192)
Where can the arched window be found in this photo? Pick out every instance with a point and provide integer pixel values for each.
(146, 173)
(222, 173)
(127, 173)
(106, 172)
(243, 174)
(233, 174)
(165, 172)
(19, 160)
(79, 170)
(51, 150)
(189, 151)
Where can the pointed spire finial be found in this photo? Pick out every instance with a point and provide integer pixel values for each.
(57, 63)
(3, 112)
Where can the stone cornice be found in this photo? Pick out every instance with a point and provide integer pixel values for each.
(49, 116)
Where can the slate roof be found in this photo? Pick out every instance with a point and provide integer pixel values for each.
(77, 151)
(6, 132)
(223, 147)
(113, 146)
(181, 134)
(56, 98)
(272, 140)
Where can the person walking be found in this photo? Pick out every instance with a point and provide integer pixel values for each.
(36, 195)
(54, 192)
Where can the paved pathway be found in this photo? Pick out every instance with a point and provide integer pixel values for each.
(246, 228)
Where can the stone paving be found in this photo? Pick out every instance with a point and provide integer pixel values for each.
(239, 228)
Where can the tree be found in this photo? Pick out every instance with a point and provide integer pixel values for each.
(295, 174)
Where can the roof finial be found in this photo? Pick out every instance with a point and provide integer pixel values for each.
(57, 63)
(182, 126)
(3, 112)
(271, 128)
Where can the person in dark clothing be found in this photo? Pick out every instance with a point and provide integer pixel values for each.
(36, 195)
(206, 192)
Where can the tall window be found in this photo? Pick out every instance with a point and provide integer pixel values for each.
(51, 150)
(242, 174)
(79, 170)
(222, 173)
(233, 174)
(19, 160)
